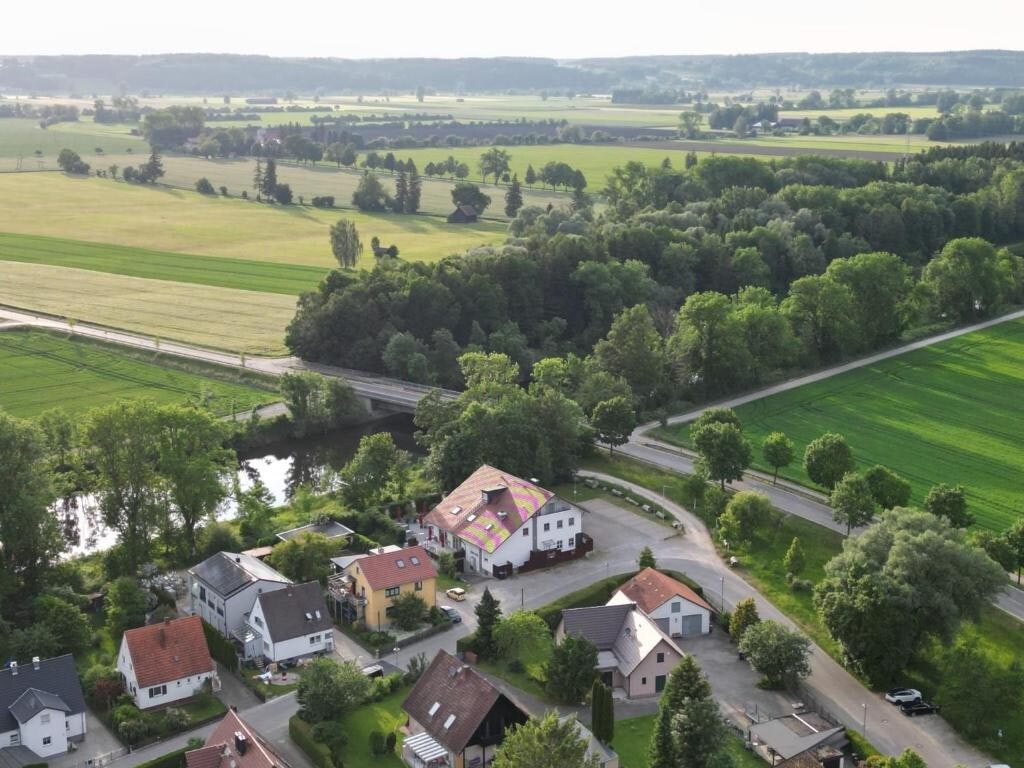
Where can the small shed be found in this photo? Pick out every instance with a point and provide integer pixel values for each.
(463, 214)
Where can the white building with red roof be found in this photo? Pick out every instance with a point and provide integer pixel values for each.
(166, 662)
(676, 608)
(501, 523)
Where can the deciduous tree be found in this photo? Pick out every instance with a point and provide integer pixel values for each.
(888, 489)
(548, 742)
(950, 502)
(778, 653)
(570, 670)
(828, 459)
(852, 501)
(345, 243)
(748, 516)
(520, 635)
(744, 616)
(724, 452)
(329, 689)
(777, 450)
(614, 421)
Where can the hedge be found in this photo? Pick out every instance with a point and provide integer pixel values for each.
(175, 759)
(301, 733)
(222, 649)
(36, 765)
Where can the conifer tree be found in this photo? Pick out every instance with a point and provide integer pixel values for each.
(513, 198)
(412, 200)
(531, 176)
(488, 614)
(401, 192)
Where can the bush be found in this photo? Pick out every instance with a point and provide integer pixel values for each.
(175, 720)
(224, 190)
(302, 734)
(467, 644)
(801, 585)
(378, 744)
(596, 594)
(516, 666)
(323, 201)
(221, 649)
(391, 741)
(383, 686)
(333, 736)
(204, 187)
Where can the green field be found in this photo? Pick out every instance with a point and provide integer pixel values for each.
(948, 413)
(158, 218)
(289, 279)
(21, 137)
(220, 318)
(40, 370)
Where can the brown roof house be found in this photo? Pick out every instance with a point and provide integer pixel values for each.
(673, 606)
(233, 744)
(633, 653)
(496, 522)
(456, 717)
(166, 662)
(463, 214)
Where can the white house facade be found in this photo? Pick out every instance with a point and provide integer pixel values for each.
(165, 663)
(291, 623)
(42, 706)
(501, 523)
(223, 588)
(675, 607)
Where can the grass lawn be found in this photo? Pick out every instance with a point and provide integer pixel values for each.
(948, 413)
(528, 679)
(204, 708)
(223, 318)
(633, 738)
(41, 370)
(264, 276)
(164, 219)
(385, 716)
(445, 583)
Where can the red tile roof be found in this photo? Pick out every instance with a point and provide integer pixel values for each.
(487, 520)
(650, 589)
(392, 569)
(222, 751)
(168, 651)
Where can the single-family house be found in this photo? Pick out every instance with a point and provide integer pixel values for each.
(233, 744)
(224, 586)
(457, 718)
(332, 529)
(463, 214)
(633, 653)
(290, 623)
(166, 662)
(496, 523)
(376, 580)
(41, 706)
(676, 608)
(791, 735)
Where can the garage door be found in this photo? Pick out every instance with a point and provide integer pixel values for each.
(663, 625)
(691, 625)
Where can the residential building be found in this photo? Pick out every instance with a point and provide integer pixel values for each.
(166, 662)
(791, 735)
(290, 623)
(633, 653)
(463, 214)
(332, 529)
(497, 523)
(42, 708)
(233, 744)
(457, 718)
(676, 608)
(371, 584)
(223, 588)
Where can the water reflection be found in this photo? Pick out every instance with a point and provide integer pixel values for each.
(281, 467)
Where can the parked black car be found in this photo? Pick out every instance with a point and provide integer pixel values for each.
(919, 708)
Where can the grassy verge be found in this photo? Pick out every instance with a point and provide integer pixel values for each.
(385, 716)
(672, 485)
(946, 413)
(633, 737)
(529, 680)
(41, 370)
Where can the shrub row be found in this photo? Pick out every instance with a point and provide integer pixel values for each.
(301, 733)
(222, 649)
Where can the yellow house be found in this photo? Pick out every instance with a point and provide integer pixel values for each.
(379, 579)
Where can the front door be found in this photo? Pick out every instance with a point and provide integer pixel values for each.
(606, 678)
(659, 683)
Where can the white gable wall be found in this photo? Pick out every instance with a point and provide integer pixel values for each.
(159, 695)
(46, 734)
(297, 647)
(674, 618)
(547, 529)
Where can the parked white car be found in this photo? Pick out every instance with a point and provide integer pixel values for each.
(903, 696)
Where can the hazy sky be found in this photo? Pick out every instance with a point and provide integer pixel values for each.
(555, 28)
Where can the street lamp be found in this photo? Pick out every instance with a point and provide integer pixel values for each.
(864, 727)
(396, 649)
(723, 594)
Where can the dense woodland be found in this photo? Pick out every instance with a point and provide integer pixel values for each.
(698, 281)
(218, 73)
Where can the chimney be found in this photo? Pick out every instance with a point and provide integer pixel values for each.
(35, 662)
(238, 559)
(167, 621)
(14, 668)
(241, 743)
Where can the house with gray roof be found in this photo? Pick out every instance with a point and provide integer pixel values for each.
(290, 623)
(634, 655)
(41, 706)
(224, 587)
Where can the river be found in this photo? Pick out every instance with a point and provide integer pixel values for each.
(282, 467)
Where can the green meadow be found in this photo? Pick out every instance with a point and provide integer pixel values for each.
(41, 370)
(949, 413)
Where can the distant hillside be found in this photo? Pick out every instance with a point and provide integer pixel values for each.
(223, 73)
